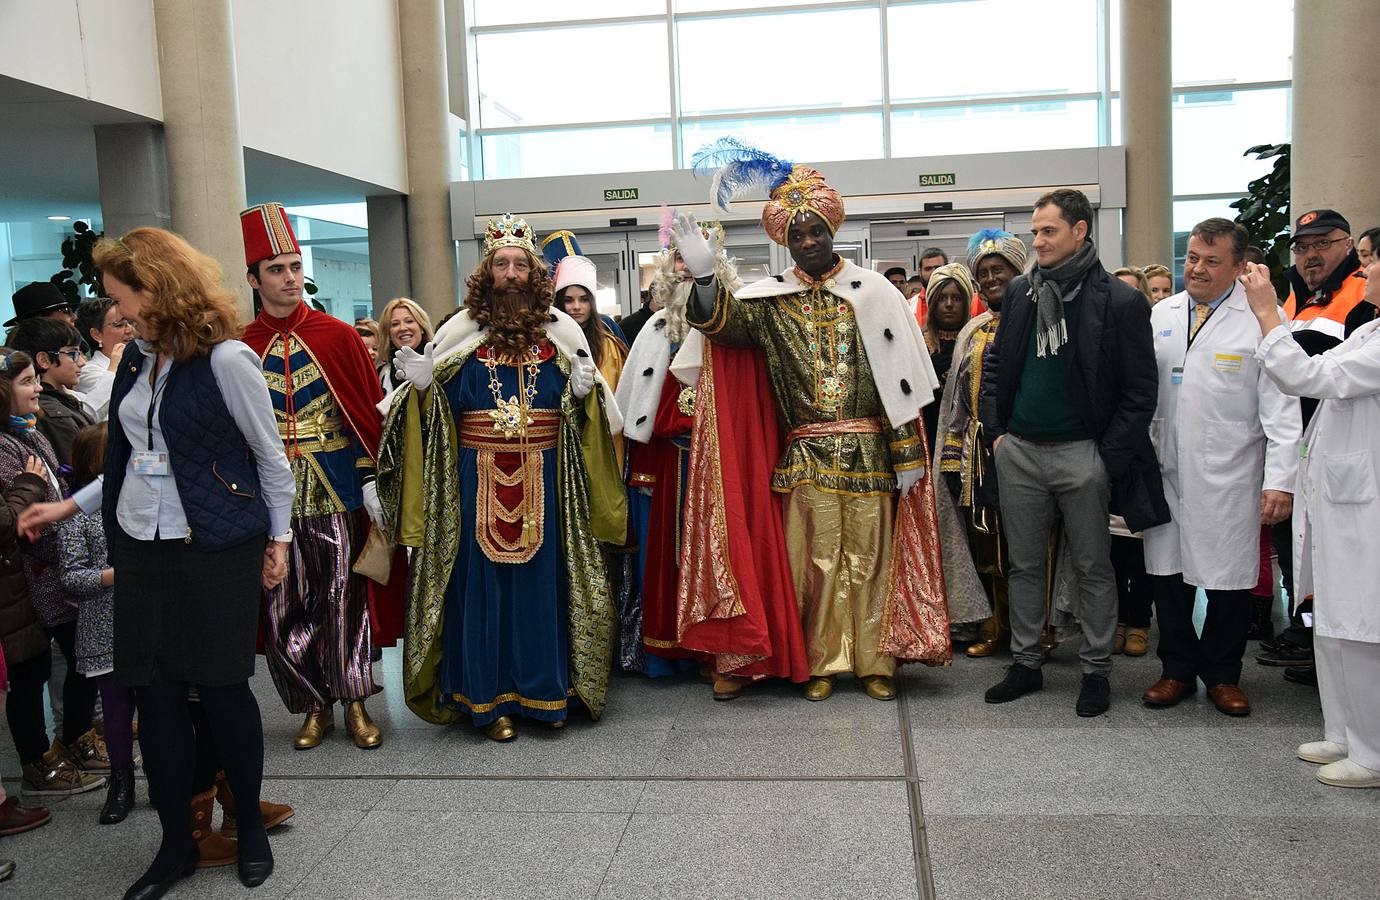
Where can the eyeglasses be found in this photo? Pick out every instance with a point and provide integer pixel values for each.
(74, 355)
(1320, 246)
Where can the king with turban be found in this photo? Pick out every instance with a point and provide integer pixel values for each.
(828, 356)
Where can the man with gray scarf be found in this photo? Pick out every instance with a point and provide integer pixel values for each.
(1068, 392)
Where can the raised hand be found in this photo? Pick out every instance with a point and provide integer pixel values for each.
(693, 246)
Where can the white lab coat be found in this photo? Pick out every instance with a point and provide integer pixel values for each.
(1224, 433)
(1336, 510)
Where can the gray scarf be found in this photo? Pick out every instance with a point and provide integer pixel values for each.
(1052, 333)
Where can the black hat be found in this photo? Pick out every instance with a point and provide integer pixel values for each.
(1319, 221)
(36, 299)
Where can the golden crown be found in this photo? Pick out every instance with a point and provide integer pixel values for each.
(509, 231)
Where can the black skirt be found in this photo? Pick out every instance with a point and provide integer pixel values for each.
(185, 614)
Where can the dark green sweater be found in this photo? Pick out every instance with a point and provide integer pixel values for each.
(1044, 409)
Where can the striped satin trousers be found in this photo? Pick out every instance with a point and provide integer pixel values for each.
(317, 621)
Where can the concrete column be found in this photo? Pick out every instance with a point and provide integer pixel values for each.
(201, 127)
(1146, 130)
(132, 169)
(1336, 110)
(430, 154)
(389, 272)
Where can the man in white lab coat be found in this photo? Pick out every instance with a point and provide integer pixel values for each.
(1227, 439)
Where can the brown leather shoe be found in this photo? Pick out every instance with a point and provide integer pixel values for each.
(16, 819)
(1168, 692)
(1229, 700)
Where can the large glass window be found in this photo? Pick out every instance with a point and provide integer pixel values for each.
(583, 151)
(813, 137)
(992, 128)
(1213, 130)
(567, 75)
(807, 79)
(1232, 41)
(744, 64)
(991, 48)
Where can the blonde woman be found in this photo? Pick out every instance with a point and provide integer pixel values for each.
(1160, 280)
(1135, 278)
(404, 324)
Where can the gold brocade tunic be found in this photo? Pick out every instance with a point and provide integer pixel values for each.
(327, 463)
(819, 373)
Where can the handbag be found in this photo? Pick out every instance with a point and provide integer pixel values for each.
(375, 560)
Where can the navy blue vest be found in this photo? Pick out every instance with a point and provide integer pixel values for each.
(216, 475)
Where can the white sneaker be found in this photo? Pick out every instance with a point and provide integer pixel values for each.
(1345, 773)
(1321, 752)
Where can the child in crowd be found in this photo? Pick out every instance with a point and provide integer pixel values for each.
(62, 769)
(87, 575)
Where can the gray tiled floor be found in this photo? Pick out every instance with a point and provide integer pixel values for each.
(673, 795)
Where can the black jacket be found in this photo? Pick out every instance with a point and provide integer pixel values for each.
(1113, 379)
(63, 416)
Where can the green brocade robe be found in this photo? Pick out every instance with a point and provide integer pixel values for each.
(419, 487)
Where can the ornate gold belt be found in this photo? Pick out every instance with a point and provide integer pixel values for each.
(478, 431)
(868, 425)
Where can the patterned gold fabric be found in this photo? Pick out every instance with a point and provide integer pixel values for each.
(840, 550)
(819, 373)
(592, 504)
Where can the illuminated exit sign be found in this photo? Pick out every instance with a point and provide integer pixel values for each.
(936, 179)
(612, 194)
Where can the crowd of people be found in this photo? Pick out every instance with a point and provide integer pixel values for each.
(825, 473)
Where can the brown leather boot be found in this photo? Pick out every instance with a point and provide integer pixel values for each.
(272, 814)
(216, 850)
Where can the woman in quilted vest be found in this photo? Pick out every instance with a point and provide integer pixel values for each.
(197, 491)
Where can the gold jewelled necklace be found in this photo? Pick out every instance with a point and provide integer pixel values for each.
(512, 416)
(828, 343)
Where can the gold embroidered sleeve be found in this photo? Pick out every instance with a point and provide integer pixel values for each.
(906, 447)
(730, 321)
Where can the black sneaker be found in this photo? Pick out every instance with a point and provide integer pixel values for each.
(1305, 675)
(1095, 697)
(1019, 681)
(1286, 653)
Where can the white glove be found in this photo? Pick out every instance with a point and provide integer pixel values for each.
(418, 367)
(581, 377)
(909, 478)
(372, 505)
(690, 242)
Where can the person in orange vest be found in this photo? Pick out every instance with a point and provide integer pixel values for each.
(1324, 307)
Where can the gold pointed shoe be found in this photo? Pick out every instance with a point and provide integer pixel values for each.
(318, 724)
(361, 728)
(729, 687)
(819, 687)
(979, 649)
(501, 729)
(879, 687)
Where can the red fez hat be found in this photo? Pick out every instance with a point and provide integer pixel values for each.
(266, 233)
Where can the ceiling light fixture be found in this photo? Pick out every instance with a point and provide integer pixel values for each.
(59, 218)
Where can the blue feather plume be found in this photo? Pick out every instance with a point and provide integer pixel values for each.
(739, 168)
(986, 234)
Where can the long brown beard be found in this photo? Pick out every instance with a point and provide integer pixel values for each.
(517, 322)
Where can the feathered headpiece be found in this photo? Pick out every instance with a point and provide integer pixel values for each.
(994, 240)
(792, 188)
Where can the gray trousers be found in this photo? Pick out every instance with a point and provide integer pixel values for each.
(1034, 480)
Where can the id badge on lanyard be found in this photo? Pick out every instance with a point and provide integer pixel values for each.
(151, 462)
